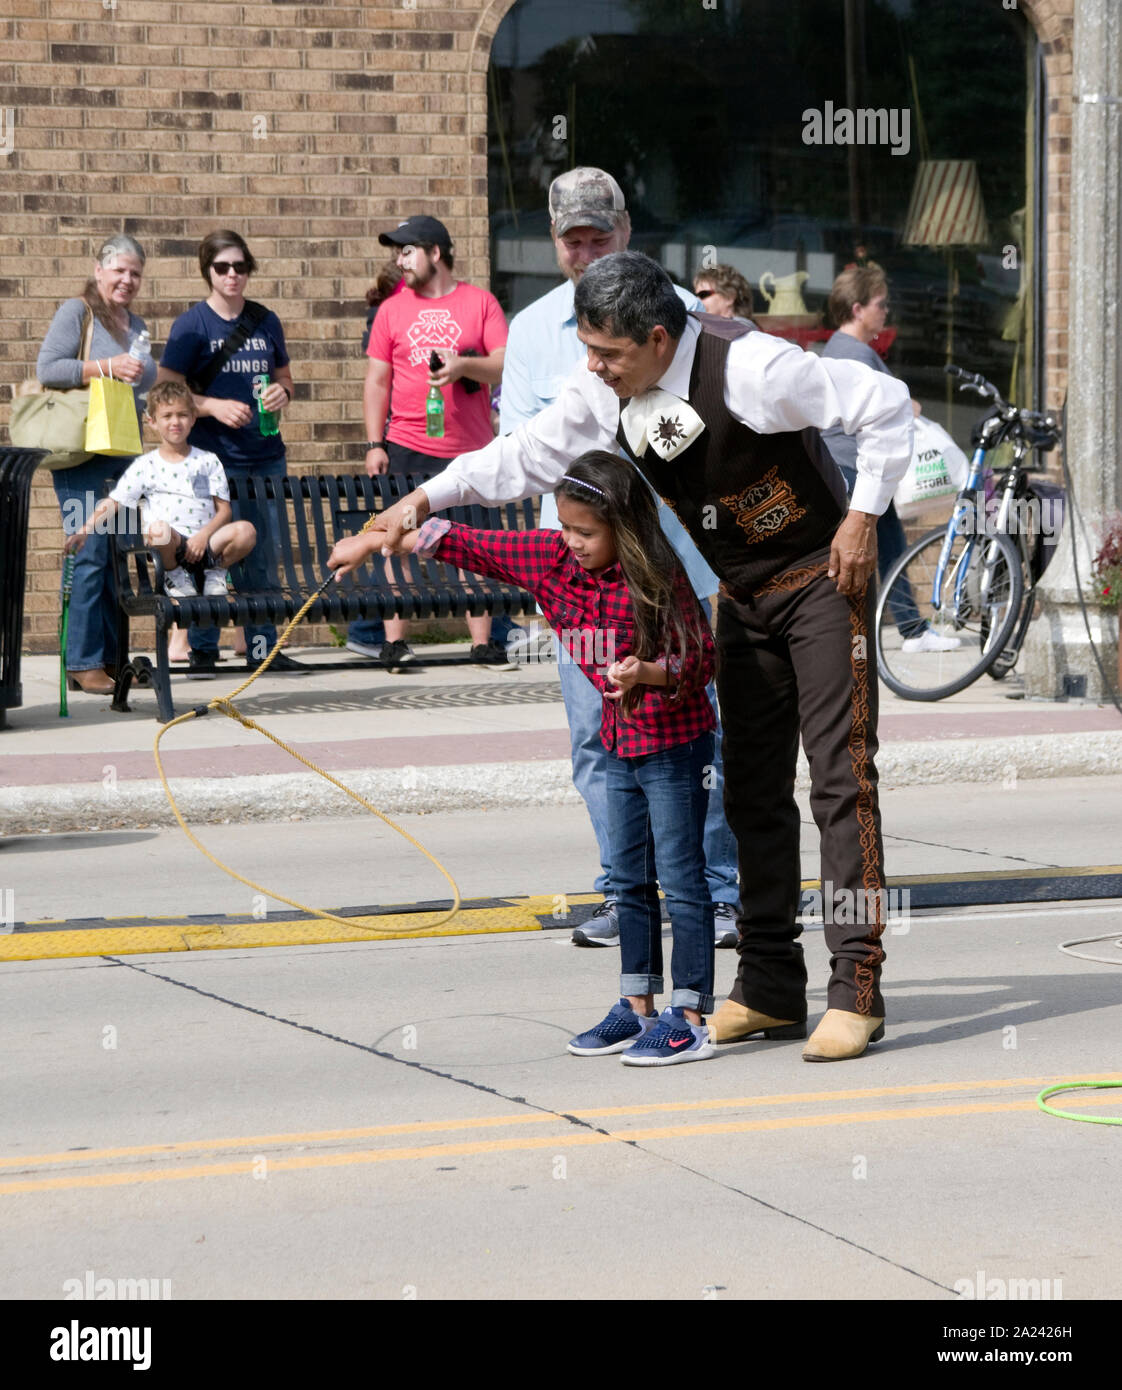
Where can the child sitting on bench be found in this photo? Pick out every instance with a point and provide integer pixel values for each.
(187, 513)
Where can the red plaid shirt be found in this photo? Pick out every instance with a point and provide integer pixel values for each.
(592, 616)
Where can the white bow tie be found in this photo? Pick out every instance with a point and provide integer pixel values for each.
(665, 422)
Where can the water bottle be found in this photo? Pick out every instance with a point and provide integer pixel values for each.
(140, 349)
(434, 404)
(268, 421)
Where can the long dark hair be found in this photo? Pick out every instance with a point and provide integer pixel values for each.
(665, 625)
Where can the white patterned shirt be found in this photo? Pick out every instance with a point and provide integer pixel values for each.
(178, 491)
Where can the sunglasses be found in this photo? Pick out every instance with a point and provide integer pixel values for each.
(225, 267)
(704, 294)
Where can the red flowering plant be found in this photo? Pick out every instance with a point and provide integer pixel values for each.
(1106, 570)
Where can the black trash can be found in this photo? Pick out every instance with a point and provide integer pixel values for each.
(17, 467)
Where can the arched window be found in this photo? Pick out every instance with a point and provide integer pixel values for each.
(788, 139)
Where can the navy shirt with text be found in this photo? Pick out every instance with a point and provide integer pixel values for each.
(194, 339)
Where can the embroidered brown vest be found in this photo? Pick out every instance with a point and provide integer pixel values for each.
(753, 504)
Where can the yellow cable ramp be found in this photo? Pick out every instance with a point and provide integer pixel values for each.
(225, 703)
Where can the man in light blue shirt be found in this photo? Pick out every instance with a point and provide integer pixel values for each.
(589, 219)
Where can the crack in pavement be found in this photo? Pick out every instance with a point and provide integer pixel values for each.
(531, 1105)
(957, 849)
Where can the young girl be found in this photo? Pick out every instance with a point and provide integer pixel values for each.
(611, 587)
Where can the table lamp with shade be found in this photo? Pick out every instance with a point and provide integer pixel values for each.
(946, 211)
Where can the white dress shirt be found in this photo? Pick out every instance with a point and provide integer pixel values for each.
(771, 386)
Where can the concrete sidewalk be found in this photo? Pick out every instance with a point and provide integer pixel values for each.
(438, 738)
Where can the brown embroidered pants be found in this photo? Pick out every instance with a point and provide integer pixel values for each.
(796, 656)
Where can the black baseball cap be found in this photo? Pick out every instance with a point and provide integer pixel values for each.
(418, 231)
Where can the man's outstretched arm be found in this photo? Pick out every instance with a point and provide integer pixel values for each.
(531, 460)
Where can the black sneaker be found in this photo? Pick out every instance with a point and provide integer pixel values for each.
(395, 657)
(280, 662)
(201, 665)
(493, 654)
(725, 931)
(601, 929)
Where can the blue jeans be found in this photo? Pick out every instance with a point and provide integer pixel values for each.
(372, 631)
(91, 637)
(583, 706)
(657, 806)
(257, 573)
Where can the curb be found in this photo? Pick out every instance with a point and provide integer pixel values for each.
(483, 786)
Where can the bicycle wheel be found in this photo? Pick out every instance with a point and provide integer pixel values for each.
(976, 607)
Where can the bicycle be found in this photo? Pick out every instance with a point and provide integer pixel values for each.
(972, 582)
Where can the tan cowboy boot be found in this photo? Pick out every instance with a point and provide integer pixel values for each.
(840, 1035)
(734, 1022)
(95, 681)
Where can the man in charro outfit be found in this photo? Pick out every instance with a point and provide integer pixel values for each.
(723, 420)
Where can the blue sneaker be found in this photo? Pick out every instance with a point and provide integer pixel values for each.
(619, 1030)
(674, 1039)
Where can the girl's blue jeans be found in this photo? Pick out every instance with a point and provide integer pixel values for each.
(91, 636)
(656, 814)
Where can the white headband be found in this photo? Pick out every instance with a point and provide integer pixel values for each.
(568, 478)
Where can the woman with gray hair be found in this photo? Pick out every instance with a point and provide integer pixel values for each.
(91, 646)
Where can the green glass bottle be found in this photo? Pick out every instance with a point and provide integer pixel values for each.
(268, 421)
(434, 404)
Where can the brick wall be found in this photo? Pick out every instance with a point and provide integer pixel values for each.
(305, 126)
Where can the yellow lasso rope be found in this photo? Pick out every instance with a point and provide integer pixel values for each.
(225, 703)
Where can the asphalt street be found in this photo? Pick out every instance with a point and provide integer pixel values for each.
(399, 1119)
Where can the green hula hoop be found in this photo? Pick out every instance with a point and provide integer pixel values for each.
(1070, 1114)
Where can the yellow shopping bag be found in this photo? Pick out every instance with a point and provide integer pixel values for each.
(111, 426)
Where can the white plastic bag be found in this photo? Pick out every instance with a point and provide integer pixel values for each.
(938, 468)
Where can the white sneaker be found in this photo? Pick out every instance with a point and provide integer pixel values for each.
(364, 648)
(930, 641)
(214, 582)
(179, 584)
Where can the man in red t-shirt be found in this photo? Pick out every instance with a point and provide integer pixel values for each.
(431, 312)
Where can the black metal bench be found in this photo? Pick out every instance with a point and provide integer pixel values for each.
(16, 469)
(310, 515)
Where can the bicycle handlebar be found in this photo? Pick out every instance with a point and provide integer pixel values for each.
(1043, 428)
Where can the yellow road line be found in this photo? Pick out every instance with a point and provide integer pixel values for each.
(868, 1093)
(490, 1121)
(238, 933)
(214, 936)
(580, 1139)
(984, 875)
(482, 1146)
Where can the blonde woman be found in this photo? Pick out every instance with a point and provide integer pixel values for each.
(91, 643)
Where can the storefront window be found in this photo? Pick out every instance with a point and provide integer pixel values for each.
(788, 138)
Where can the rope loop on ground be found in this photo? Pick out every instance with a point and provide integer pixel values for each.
(225, 704)
(1071, 1114)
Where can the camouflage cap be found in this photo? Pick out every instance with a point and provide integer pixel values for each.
(585, 197)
